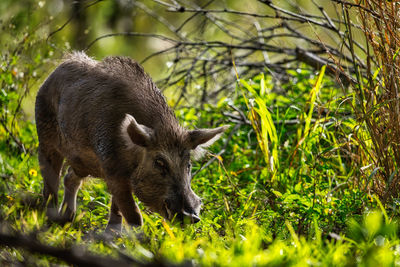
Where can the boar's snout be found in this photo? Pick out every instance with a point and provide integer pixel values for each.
(184, 213)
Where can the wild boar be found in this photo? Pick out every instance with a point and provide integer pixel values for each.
(108, 119)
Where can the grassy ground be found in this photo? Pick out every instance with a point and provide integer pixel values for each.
(284, 187)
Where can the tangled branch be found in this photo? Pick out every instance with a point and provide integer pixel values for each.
(273, 39)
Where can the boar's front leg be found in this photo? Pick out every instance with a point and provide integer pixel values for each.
(115, 221)
(123, 202)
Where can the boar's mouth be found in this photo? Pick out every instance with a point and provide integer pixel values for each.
(183, 216)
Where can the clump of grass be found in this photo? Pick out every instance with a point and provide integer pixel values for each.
(377, 94)
(262, 123)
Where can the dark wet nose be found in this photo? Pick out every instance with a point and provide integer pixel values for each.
(190, 217)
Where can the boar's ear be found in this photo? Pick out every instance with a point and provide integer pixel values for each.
(134, 133)
(205, 137)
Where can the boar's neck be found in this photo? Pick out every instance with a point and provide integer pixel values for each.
(136, 90)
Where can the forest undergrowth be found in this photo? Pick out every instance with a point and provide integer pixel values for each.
(306, 175)
(282, 186)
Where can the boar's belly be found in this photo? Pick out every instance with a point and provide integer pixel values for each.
(85, 164)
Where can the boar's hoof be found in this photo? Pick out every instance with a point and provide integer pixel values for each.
(114, 228)
(66, 214)
(52, 214)
(61, 219)
(66, 217)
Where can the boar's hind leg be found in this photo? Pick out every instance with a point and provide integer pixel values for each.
(72, 182)
(123, 201)
(50, 162)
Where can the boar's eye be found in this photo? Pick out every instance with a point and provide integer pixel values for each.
(161, 164)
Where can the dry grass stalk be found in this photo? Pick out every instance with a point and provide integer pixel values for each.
(378, 94)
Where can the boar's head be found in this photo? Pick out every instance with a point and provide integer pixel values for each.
(162, 177)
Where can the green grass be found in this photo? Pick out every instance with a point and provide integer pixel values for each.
(288, 189)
